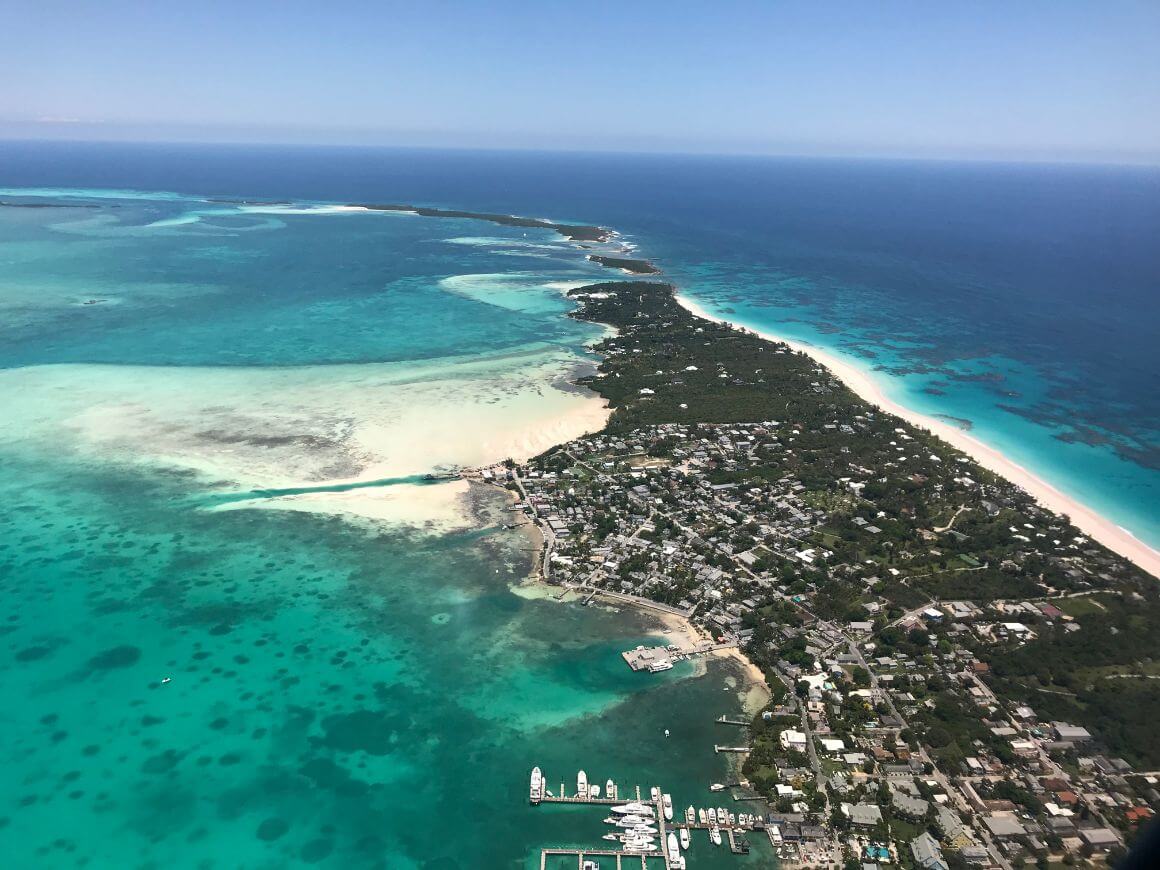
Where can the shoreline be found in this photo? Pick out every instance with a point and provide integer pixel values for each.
(1092, 524)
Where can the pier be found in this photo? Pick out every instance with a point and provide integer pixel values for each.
(717, 748)
(581, 854)
(724, 720)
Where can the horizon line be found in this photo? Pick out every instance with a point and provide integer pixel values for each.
(1144, 160)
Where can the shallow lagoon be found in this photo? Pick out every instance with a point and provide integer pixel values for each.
(344, 689)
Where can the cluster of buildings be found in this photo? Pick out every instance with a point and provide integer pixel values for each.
(887, 743)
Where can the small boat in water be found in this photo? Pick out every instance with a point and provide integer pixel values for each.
(690, 815)
(635, 808)
(537, 788)
(684, 838)
(702, 816)
(712, 816)
(716, 787)
(656, 794)
(582, 784)
(715, 835)
(667, 806)
(610, 789)
(629, 821)
(594, 791)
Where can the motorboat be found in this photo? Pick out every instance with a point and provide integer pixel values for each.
(712, 815)
(684, 838)
(717, 787)
(656, 794)
(582, 784)
(610, 789)
(594, 791)
(690, 815)
(715, 835)
(702, 816)
(674, 847)
(667, 806)
(635, 808)
(537, 788)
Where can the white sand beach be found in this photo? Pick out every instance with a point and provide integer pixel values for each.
(277, 428)
(1112, 536)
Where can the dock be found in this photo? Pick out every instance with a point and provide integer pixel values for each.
(581, 854)
(717, 748)
(724, 720)
(649, 658)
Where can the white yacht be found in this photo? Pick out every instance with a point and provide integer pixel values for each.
(610, 789)
(702, 816)
(716, 787)
(690, 815)
(656, 794)
(629, 821)
(640, 844)
(537, 790)
(684, 838)
(667, 806)
(674, 848)
(582, 784)
(635, 808)
(594, 791)
(715, 835)
(712, 816)
(591, 865)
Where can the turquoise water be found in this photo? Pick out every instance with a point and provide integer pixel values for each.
(188, 686)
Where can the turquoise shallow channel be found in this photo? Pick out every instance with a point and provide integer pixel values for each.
(212, 653)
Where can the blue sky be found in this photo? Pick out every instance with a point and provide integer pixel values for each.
(1007, 80)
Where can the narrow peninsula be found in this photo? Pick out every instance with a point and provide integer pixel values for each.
(943, 652)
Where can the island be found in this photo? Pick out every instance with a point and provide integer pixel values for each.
(959, 676)
(572, 232)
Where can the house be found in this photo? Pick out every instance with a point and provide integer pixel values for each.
(1004, 827)
(927, 853)
(950, 825)
(791, 739)
(911, 807)
(1070, 733)
(1100, 839)
(864, 815)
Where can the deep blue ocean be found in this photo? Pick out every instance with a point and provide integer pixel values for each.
(217, 652)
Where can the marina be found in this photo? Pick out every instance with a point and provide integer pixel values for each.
(643, 826)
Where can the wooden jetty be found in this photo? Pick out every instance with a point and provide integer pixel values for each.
(717, 748)
(723, 720)
(581, 854)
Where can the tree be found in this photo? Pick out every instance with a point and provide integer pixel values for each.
(861, 676)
